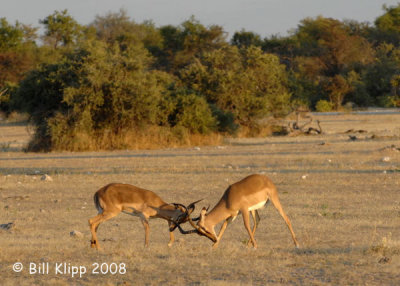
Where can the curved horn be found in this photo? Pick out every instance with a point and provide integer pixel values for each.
(202, 231)
(192, 206)
(180, 205)
(184, 231)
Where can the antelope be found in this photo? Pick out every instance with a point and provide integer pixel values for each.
(245, 197)
(114, 198)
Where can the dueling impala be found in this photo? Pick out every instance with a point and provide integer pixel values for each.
(114, 198)
(245, 197)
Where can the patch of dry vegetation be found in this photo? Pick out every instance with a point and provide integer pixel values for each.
(152, 138)
(341, 197)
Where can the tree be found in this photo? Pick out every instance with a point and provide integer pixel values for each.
(119, 28)
(327, 51)
(191, 39)
(338, 87)
(61, 29)
(380, 76)
(11, 37)
(245, 39)
(331, 41)
(388, 25)
(248, 83)
(17, 56)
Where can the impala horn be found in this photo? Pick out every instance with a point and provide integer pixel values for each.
(202, 231)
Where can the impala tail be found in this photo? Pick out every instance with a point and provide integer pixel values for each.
(97, 203)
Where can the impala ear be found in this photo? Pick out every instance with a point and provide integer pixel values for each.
(202, 216)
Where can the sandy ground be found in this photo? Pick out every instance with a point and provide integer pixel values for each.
(342, 196)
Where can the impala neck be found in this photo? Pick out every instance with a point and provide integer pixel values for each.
(216, 215)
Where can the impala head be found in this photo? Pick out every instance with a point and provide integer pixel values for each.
(200, 228)
(182, 214)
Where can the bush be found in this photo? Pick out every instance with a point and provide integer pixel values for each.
(225, 120)
(324, 106)
(194, 113)
(93, 89)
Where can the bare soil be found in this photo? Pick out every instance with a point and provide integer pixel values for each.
(341, 194)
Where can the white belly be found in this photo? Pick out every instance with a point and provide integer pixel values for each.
(257, 206)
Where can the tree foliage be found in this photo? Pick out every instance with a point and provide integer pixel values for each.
(248, 83)
(189, 40)
(245, 39)
(113, 77)
(61, 29)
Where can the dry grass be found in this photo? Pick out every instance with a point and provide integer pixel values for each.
(149, 137)
(341, 195)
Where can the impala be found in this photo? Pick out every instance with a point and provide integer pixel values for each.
(114, 198)
(245, 197)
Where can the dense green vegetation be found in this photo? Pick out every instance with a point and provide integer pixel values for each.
(87, 87)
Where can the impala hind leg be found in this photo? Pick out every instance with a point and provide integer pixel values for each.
(278, 206)
(246, 220)
(171, 233)
(256, 220)
(94, 225)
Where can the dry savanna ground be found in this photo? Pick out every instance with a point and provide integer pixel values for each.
(342, 195)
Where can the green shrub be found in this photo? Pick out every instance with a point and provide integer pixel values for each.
(324, 106)
(193, 113)
(225, 120)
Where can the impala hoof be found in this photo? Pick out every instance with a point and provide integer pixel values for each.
(94, 244)
(215, 245)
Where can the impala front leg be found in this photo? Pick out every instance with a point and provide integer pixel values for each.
(221, 232)
(146, 231)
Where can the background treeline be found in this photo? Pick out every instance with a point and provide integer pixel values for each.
(119, 84)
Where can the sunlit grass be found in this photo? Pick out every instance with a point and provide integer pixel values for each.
(344, 210)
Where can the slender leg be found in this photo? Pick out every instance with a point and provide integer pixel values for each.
(146, 231)
(246, 220)
(278, 206)
(171, 235)
(256, 219)
(94, 224)
(221, 232)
